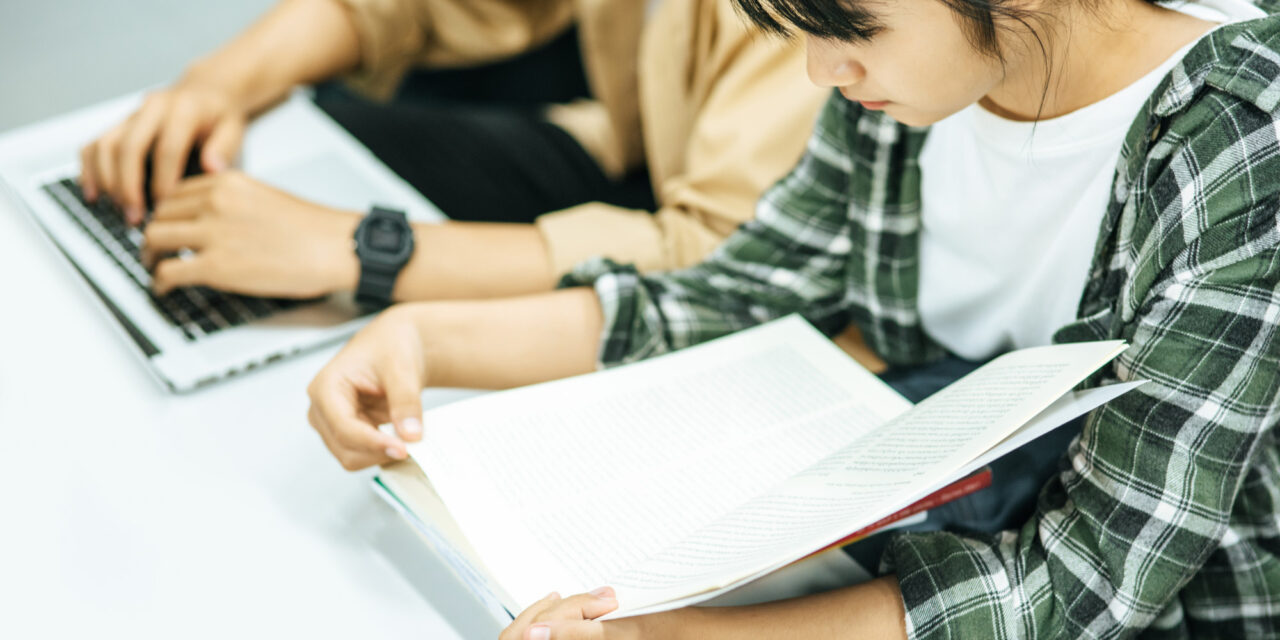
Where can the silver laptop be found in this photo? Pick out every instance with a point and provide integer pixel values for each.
(195, 335)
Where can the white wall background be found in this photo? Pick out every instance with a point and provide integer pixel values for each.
(57, 55)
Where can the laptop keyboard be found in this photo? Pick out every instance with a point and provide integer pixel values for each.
(196, 311)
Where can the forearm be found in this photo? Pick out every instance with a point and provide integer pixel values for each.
(296, 42)
(475, 260)
(871, 611)
(457, 260)
(509, 342)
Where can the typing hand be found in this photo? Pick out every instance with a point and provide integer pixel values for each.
(167, 125)
(376, 378)
(243, 236)
(556, 618)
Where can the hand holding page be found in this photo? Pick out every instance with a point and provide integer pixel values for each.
(675, 478)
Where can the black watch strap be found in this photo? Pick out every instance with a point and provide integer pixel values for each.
(375, 287)
(384, 244)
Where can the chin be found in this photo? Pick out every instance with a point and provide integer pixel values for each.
(913, 118)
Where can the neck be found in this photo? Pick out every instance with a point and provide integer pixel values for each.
(1092, 53)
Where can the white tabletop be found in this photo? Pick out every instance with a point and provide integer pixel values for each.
(129, 512)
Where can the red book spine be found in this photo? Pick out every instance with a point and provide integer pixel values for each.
(958, 489)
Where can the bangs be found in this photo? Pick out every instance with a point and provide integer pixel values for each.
(827, 19)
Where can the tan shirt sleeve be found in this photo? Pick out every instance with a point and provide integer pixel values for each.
(396, 35)
(750, 130)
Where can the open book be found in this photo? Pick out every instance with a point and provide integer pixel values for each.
(676, 479)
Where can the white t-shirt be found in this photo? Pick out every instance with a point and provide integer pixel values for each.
(1010, 216)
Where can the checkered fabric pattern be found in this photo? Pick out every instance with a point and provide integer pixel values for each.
(1163, 520)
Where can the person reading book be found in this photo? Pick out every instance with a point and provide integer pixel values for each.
(704, 109)
(986, 176)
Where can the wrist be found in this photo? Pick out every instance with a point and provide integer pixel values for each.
(442, 331)
(240, 85)
(624, 629)
(668, 625)
(341, 266)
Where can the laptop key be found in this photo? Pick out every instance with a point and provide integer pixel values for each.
(195, 311)
(259, 307)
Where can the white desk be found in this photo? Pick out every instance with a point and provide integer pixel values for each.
(129, 512)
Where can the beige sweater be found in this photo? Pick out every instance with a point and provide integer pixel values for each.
(716, 110)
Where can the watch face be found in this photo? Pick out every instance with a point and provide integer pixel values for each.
(385, 235)
(384, 240)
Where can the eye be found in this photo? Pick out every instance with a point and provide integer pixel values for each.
(850, 33)
(867, 34)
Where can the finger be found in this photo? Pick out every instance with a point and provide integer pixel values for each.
(131, 158)
(170, 235)
(181, 205)
(351, 461)
(516, 630)
(318, 424)
(336, 401)
(564, 630)
(583, 606)
(194, 185)
(89, 171)
(222, 145)
(171, 273)
(374, 409)
(172, 148)
(149, 258)
(373, 416)
(104, 162)
(402, 385)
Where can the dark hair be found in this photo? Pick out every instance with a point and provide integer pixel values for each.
(848, 20)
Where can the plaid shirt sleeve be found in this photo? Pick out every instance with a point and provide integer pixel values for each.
(790, 258)
(1163, 513)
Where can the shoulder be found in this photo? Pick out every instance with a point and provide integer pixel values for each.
(1236, 66)
(1211, 142)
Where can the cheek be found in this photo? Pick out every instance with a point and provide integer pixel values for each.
(957, 71)
(934, 91)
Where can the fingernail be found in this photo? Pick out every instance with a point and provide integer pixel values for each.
(604, 593)
(216, 164)
(395, 453)
(554, 595)
(539, 632)
(412, 427)
(133, 214)
(90, 192)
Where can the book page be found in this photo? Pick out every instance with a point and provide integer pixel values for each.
(1064, 410)
(879, 472)
(569, 484)
(407, 490)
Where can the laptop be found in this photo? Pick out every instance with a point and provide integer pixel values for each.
(196, 336)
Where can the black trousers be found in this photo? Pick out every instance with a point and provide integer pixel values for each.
(475, 143)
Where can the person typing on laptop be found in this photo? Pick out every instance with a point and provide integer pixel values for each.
(713, 110)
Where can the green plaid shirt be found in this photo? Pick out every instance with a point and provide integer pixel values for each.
(1164, 518)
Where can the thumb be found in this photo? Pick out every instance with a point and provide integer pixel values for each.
(222, 145)
(177, 272)
(403, 387)
(596, 603)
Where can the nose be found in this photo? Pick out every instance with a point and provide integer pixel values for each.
(830, 65)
